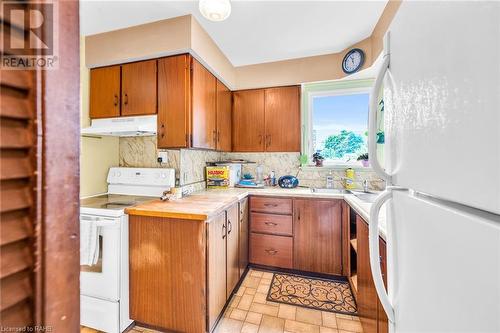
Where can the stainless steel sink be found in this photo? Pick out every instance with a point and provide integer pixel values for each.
(329, 190)
(365, 196)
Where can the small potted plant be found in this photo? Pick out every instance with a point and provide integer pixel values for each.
(364, 160)
(318, 159)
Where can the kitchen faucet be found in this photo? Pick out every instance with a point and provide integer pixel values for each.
(365, 185)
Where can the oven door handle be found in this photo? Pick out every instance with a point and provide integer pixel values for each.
(102, 221)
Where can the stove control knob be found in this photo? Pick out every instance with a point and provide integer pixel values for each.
(118, 174)
(163, 175)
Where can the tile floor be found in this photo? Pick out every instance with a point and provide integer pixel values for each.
(250, 312)
(135, 329)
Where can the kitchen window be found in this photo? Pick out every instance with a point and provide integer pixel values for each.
(335, 121)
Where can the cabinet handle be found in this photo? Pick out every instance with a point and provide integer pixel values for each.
(116, 100)
(271, 223)
(260, 139)
(298, 214)
(269, 141)
(126, 99)
(224, 231)
(271, 251)
(270, 205)
(162, 130)
(230, 227)
(218, 136)
(214, 133)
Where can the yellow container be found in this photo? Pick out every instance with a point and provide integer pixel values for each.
(349, 179)
(218, 177)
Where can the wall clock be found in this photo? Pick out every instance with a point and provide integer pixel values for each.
(353, 61)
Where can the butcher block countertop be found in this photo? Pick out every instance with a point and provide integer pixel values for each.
(205, 205)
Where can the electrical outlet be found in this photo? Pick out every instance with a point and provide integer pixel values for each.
(162, 157)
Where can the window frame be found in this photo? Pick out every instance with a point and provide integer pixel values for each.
(322, 89)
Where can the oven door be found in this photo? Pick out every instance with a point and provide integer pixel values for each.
(102, 279)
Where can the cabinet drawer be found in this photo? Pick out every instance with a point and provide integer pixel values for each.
(270, 250)
(271, 224)
(271, 205)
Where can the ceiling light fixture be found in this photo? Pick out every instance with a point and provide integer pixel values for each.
(215, 10)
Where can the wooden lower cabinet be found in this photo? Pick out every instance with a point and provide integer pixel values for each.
(271, 250)
(383, 321)
(232, 254)
(303, 234)
(271, 237)
(243, 239)
(370, 311)
(217, 256)
(182, 272)
(168, 273)
(317, 236)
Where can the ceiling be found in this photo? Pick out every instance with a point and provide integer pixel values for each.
(256, 31)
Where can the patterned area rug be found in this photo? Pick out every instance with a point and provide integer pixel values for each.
(314, 293)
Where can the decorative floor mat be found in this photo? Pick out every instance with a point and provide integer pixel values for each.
(311, 292)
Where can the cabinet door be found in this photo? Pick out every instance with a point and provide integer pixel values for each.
(217, 234)
(367, 295)
(174, 100)
(346, 246)
(248, 120)
(317, 244)
(204, 107)
(233, 272)
(105, 92)
(282, 119)
(139, 88)
(243, 239)
(223, 117)
(383, 321)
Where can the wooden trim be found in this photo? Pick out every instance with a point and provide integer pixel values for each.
(59, 102)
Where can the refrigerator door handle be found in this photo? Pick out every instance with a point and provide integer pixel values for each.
(372, 120)
(373, 242)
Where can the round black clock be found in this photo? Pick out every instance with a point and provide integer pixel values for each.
(353, 61)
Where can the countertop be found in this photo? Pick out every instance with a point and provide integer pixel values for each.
(204, 205)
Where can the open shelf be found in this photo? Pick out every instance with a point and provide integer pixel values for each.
(354, 244)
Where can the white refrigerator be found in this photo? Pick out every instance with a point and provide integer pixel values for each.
(440, 79)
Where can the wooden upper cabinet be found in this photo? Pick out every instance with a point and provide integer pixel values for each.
(204, 107)
(105, 92)
(223, 117)
(317, 245)
(139, 88)
(282, 119)
(174, 102)
(248, 120)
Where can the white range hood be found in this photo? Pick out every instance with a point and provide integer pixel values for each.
(122, 126)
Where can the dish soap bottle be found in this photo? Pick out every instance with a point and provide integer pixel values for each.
(349, 179)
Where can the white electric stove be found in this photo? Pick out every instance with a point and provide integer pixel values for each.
(104, 287)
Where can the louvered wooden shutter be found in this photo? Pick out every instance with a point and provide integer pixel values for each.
(39, 184)
(17, 203)
(17, 196)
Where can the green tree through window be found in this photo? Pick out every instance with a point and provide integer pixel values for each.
(346, 142)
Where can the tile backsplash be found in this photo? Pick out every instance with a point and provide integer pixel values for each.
(189, 164)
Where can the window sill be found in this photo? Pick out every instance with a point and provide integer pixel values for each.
(359, 168)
